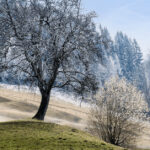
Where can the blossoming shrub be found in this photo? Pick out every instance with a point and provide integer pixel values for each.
(118, 112)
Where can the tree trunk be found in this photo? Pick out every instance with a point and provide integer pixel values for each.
(43, 106)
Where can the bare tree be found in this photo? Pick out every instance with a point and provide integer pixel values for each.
(52, 42)
(117, 115)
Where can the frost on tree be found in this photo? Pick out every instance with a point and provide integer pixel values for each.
(53, 43)
(131, 61)
(110, 63)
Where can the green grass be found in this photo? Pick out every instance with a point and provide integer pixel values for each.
(34, 135)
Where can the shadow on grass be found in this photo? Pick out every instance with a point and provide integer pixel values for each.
(21, 106)
(4, 100)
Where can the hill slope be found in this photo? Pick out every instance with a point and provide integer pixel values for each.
(34, 135)
(17, 105)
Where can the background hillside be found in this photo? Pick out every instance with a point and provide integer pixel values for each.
(18, 105)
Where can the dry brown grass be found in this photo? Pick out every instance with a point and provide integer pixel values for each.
(21, 105)
(17, 105)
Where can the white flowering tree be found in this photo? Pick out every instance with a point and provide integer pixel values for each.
(116, 114)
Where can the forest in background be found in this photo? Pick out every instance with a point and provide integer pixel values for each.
(120, 57)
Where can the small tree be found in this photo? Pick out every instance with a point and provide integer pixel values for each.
(116, 114)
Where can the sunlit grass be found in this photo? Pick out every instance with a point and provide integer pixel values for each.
(34, 135)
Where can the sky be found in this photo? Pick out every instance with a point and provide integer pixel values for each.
(132, 17)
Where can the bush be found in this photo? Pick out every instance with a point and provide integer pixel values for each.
(116, 115)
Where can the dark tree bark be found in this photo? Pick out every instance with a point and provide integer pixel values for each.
(43, 106)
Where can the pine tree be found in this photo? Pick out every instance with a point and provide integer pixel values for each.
(111, 66)
(130, 58)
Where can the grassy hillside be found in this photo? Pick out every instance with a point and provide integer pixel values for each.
(17, 105)
(34, 135)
